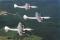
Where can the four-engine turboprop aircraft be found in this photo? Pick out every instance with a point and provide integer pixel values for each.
(26, 6)
(20, 29)
(37, 17)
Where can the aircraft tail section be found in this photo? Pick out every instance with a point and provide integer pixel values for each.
(15, 5)
(6, 28)
(25, 16)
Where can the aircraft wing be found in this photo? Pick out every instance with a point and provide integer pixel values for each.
(6, 28)
(39, 19)
(20, 28)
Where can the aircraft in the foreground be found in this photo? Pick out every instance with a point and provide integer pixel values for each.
(20, 29)
(26, 6)
(37, 17)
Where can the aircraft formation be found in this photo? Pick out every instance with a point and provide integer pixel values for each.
(20, 28)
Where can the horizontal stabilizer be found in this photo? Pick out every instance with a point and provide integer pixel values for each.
(6, 28)
(15, 5)
(25, 16)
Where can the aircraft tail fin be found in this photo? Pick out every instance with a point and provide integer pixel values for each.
(15, 5)
(6, 28)
(25, 16)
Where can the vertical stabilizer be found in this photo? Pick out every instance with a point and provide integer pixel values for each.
(15, 5)
(6, 28)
